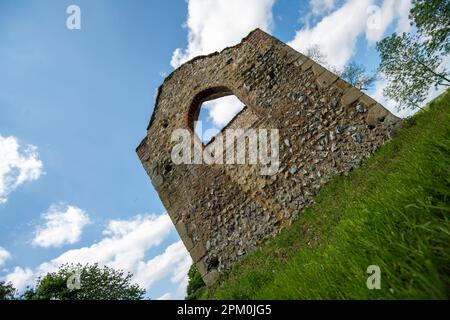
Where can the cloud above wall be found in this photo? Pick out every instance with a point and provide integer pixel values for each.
(18, 165)
(336, 34)
(214, 25)
(64, 225)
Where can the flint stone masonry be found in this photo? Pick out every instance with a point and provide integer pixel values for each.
(326, 128)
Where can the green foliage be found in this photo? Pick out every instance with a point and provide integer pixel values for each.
(95, 284)
(432, 18)
(410, 69)
(7, 291)
(196, 286)
(393, 212)
(411, 62)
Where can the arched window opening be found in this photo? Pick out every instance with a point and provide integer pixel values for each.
(215, 115)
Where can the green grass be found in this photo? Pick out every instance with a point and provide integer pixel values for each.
(393, 211)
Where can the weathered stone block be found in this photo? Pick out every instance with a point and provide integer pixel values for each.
(201, 267)
(211, 277)
(368, 101)
(307, 64)
(376, 114)
(198, 252)
(341, 84)
(301, 59)
(184, 235)
(317, 69)
(351, 95)
(187, 241)
(326, 78)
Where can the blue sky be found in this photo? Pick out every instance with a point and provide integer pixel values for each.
(74, 104)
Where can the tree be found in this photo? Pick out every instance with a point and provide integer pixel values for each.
(7, 291)
(94, 283)
(432, 19)
(315, 54)
(196, 285)
(356, 75)
(412, 61)
(353, 73)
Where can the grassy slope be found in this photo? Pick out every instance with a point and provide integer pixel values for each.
(393, 212)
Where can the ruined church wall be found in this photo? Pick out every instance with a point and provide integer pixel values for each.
(326, 127)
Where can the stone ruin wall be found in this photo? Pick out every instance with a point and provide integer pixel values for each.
(326, 128)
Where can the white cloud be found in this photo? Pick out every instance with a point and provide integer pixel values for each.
(4, 256)
(18, 164)
(64, 225)
(124, 246)
(214, 25)
(223, 110)
(20, 278)
(175, 260)
(319, 7)
(404, 23)
(336, 34)
(316, 10)
(179, 275)
(125, 243)
(382, 17)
